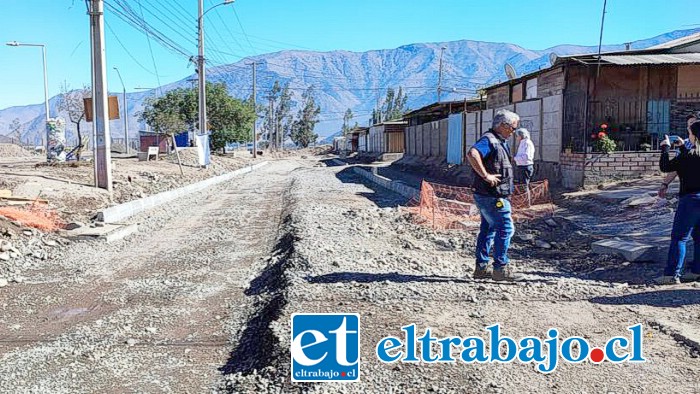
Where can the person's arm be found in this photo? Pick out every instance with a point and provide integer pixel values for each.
(667, 181)
(477, 164)
(665, 163)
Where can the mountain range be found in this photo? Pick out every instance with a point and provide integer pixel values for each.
(355, 80)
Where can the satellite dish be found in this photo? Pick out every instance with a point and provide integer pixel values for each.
(510, 71)
(553, 58)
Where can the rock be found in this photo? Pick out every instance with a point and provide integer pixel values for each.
(28, 233)
(151, 330)
(49, 242)
(4, 256)
(3, 282)
(99, 224)
(542, 244)
(131, 342)
(5, 246)
(551, 223)
(526, 237)
(74, 225)
(647, 200)
(507, 297)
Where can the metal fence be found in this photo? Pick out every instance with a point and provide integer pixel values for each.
(633, 124)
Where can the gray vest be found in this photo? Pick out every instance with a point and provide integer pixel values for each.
(496, 163)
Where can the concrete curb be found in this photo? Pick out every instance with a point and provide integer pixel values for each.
(395, 186)
(120, 212)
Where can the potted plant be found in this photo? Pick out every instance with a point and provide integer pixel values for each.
(570, 147)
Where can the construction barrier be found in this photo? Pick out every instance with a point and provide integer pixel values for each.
(453, 207)
(35, 215)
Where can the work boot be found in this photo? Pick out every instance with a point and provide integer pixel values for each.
(690, 277)
(481, 273)
(506, 274)
(667, 280)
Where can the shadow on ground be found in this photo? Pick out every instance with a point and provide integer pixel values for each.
(380, 196)
(661, 298)
(362, 277)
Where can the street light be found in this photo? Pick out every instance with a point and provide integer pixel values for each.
(126, 114)
(46, 81)
(200, 65)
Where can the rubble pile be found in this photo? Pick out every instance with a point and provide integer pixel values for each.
(22, 249)
(12, 150)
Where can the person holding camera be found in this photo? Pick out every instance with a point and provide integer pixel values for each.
(690, 119)
(686, 223)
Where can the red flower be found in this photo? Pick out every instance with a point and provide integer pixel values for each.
(602, 135)
(604, 126)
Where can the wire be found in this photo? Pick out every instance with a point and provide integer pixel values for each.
(242, 29)
(153, 58)
(109, 27)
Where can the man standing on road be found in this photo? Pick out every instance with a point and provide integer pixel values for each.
(490, 159)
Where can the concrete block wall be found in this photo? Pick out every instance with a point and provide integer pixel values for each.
(579, 169)
(572, 166)
(620, 165)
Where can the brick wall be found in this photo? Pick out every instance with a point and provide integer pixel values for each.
(591, 169)
(620, 165)
(571, 166)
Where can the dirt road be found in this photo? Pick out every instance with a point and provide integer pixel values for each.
(201, 299)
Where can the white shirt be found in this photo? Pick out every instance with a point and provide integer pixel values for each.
(526, 153)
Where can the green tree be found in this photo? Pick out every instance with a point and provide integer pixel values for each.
(347, 118)
(277, 125)
(302, 129)
(394, 104)
(229, 119)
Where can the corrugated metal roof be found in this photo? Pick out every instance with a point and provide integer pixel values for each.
(652, 59)
(677, 42)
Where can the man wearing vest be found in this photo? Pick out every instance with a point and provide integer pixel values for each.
(490, 159)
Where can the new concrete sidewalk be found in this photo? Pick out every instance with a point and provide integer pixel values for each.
(120, 212)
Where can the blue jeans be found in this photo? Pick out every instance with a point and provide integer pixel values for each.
(686, 225)
(496, 229)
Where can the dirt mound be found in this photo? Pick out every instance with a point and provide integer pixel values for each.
(12, 150)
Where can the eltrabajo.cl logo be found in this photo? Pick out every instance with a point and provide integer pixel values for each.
(325, 347)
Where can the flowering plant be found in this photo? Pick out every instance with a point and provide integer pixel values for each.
(602, 141)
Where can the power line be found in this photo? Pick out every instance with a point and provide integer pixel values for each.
(109, 27)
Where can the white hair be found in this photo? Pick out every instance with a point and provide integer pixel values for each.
(504, 116)
(522, 133)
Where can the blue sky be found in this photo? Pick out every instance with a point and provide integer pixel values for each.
(273, 25)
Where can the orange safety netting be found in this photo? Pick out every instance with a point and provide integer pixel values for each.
(34, 215)
(453, 207)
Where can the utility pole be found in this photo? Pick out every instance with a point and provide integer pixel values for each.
(126, 114)
(202, 73)
(255, 109)
(439, 89)
(271, 136)
(103, 162)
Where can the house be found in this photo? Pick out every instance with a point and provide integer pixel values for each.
(387, 138)
(427, 132)
(163, 141)
(358, 139)
(640, 95)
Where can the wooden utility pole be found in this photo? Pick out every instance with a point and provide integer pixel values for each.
(102, 159)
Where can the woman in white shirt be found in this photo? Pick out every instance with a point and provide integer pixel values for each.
(524, 159)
